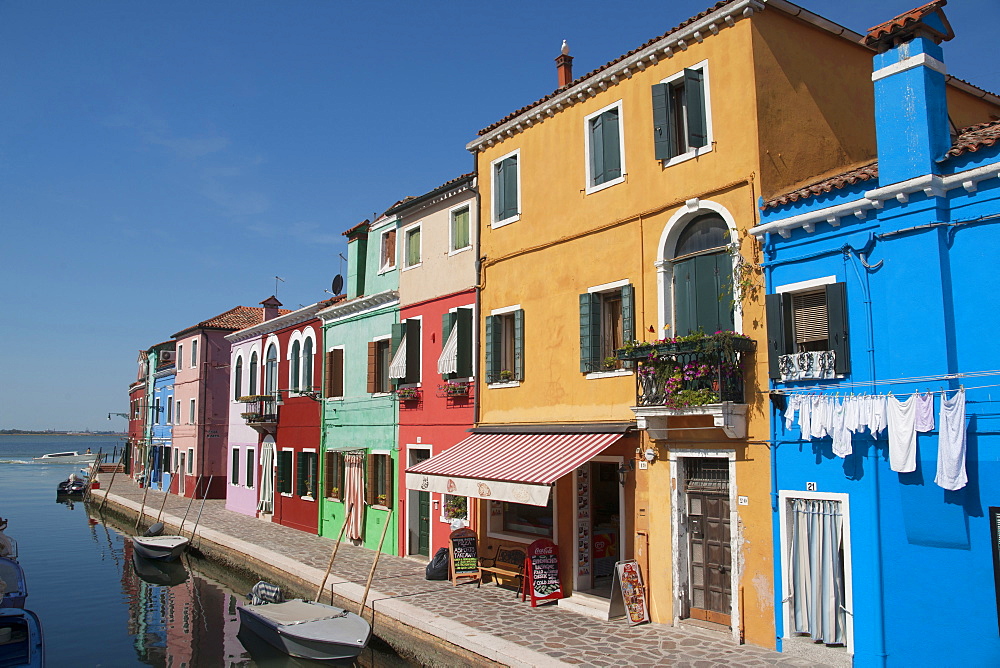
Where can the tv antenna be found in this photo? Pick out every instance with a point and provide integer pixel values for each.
(336, 286)
(276, 279)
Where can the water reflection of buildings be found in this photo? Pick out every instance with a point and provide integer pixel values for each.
(179, 619)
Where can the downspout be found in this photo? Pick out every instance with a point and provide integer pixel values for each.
(773, 447)
(877, 505)
(480, 377)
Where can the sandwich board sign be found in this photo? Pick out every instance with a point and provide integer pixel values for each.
(628, 593)
(463, 555)
(542, 573)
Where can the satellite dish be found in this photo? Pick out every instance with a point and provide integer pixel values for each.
(338, 284)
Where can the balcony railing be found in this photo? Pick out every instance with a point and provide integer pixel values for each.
(695, 370)
(259, 409)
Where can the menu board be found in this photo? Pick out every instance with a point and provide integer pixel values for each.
(995, 535)
(543, 572)
(463, 555)
(628, 593)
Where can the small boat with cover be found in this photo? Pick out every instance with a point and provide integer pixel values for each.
(74, 485)
(21, 640)
(13, 587)
(304, 629)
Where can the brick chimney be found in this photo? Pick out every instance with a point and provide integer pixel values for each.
(564, 66)
(271, 306)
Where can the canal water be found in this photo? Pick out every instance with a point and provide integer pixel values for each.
(100, 607)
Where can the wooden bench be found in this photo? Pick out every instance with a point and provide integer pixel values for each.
(505, 562)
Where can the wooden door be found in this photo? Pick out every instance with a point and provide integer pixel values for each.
(424, 523)
(709, 545)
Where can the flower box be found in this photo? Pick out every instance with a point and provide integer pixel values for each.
(454, 389)
(408, 393)
(720, 342)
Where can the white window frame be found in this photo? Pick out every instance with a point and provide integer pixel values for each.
(308, 334)
(451, 220)
(343, 378)
(709, 135)
(190, 461)
(444, 499)
(234, 396)
(292, 381)
(386, 337)
(524, 538)
(601, 289)
(383, 268)
(192, 406)
(234, 454)
(180, 356)
(291, 472)
(318, 473)
(177, 414)
(493, 191)
(508, 383)
(407, 231)
(784, 496)
(590, 187)
(194, 353)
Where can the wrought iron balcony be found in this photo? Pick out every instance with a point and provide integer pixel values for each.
(260, 410)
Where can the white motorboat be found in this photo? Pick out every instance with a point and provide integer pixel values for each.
(166, 548)
(73, 457)
(305, 629)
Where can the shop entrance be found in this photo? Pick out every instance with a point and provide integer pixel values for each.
(706, 486)
(599, 525)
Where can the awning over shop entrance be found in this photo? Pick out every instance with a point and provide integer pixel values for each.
(520, 468)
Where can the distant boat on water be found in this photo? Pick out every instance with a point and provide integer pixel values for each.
(72, 457)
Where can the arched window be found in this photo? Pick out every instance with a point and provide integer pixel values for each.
(703, 277)
(307, 365)
(294, 367)
(271, 370)
(253, 387)
(238, 379)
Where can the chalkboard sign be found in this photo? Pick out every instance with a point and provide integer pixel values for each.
(628, 593)
(995, 535)
(542, 572)
(463, 555)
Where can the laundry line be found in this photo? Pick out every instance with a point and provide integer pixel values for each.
(915, 380)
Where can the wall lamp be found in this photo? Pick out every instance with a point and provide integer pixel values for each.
(623, 471)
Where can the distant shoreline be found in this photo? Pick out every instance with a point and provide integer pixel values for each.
(18, 432)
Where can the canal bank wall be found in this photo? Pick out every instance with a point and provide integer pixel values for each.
(410, 630)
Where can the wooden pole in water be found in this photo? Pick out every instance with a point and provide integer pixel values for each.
(193, 497)
(378, 553)
(113, 473)
(166, 493)
(336, 546)
(203, 497)
(145, 484)
(95, 466)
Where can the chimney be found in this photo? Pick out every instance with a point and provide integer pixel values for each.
(271, 306)
(911, 111)
(564, 66)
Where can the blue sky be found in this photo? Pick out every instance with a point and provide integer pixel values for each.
(161, 163)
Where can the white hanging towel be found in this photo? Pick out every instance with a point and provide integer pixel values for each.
(901, 419)
(951, 443)
(793, 405)
(805, 417)
(820, 416)
(839, 429)
(925, 412)
(877, 420)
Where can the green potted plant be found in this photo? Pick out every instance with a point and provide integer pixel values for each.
(380, 500)
(408, 393)
(455, 508)
(334, 493)
(506, 375)
(610, 363)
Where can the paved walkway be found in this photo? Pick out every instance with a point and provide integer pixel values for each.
(489, 621)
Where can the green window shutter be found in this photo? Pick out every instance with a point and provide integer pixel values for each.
(661, 122)
(447, 322)
(725, 319)
(492, 348)
(398, 332)
(590, 331)
(300, 474)
(597, 174)
(412, 351)
(778, 308)
(519, 344)
(499, 182)
(464, 318)
(507, 188)
(628, 313)
(836, 314)
(612, 145)
(694, 94)
(684, 298)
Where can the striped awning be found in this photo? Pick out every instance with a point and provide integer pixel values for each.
(397, 368)
(506, 467)
(448, 362)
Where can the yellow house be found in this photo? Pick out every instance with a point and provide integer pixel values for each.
(613, 210)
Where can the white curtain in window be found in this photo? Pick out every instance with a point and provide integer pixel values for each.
(448, 362)
(816, 570)
(266, 503)
(354, 493)
(397, 368)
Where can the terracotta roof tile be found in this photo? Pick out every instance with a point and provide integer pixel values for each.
(974, 138)
(236, 318)
(901, 25)
(357, 228)
(836, 182)
(514, 114)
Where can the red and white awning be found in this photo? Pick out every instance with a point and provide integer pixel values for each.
(520, 468)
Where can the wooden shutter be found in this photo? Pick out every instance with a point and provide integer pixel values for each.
(492, 348)
(412, 351)
(779, 333)
(447, 322)
(597, 173)
(372, 366)
(519, 344)
(684, 298)
(500, 177)
(694, 94)
(300, 474)
(387, 480)
(612, 145)
(836, 310)
(328, 375)
(628, 313)
(506, 183)
(463, 317)
(370, 492)
(662, 136)
(590, 331)
(337, 384)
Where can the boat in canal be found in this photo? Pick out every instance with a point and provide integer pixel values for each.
(165, 548)
(15, 587)
(304, 629)
(21, 639)
(74, 485)
(72, 457)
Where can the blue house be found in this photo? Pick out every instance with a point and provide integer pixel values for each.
(161, 427)
(886, 438)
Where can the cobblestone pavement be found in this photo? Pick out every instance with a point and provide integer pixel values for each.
(559, 634)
